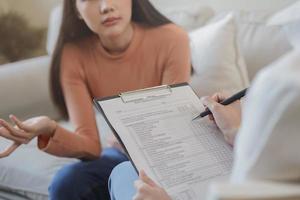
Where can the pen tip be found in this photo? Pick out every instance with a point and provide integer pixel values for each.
(195, 118)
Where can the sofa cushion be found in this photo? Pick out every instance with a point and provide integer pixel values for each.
(289, 19)
(189, 17)
(24, 87)
(217, 62)
(30, 176)
(260, 44)
(53, 28)
(286, 15)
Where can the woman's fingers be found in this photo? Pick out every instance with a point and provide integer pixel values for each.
(19, 123)
(22, 130)
(8, 132)
(147, 179)
(9, 150)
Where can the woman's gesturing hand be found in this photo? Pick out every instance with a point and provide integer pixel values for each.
(24, 132)
(147, 189)
(9, 150)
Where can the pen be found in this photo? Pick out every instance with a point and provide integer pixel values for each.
(228, 101)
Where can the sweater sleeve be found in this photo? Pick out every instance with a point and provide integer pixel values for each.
(177, 67)
(84, 142)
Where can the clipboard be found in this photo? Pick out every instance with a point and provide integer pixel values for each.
(156, 130)
(135, 96)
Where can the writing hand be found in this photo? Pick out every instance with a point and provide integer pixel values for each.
(227, 118)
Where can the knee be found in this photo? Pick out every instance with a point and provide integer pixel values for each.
(64, 182)
(120, 170)
(123, 173)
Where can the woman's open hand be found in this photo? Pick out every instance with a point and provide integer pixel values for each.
(24, 132)
(147, 189)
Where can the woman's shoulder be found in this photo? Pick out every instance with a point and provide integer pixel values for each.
(79, 46)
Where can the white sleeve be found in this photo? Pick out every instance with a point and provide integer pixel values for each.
(268, 143)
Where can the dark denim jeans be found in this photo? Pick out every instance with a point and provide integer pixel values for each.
(86, 180)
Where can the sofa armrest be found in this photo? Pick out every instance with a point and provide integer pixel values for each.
(24, 88)
(254, 190)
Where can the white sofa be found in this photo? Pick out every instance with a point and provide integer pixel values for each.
(24, 87)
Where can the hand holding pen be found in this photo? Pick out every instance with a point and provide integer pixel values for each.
(226, 117)
(226, 101)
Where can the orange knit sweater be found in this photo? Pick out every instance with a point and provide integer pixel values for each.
(155, 56)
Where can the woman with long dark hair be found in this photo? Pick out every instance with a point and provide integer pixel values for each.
(105, 47)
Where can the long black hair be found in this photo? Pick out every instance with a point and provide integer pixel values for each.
(72, 29)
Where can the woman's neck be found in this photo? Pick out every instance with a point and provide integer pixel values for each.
(118, 44)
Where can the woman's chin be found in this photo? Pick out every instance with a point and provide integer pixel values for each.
(112, 32)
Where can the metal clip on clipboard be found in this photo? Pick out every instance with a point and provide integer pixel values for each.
(145, 94)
